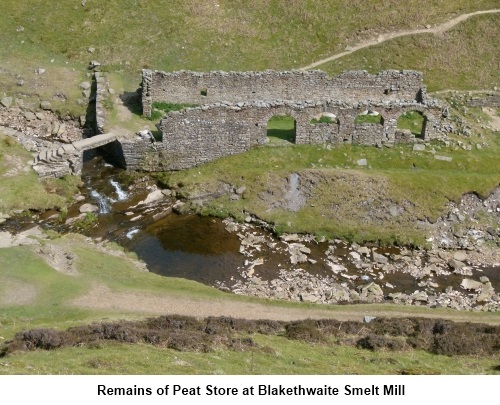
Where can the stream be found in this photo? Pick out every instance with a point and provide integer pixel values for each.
(202, 249)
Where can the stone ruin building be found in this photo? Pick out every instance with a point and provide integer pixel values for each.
(234, 109)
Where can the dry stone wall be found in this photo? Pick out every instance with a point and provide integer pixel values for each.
(269, 85)
(236, 107)
(198, 135)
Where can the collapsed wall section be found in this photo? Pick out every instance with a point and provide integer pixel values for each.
(212, 87)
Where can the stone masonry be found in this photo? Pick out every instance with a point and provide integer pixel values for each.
(269, 85)
(236, 106)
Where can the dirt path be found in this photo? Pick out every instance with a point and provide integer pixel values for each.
(199, 307)
(439, 29)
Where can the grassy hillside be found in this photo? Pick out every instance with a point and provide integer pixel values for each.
(466, 57)
(226, 35)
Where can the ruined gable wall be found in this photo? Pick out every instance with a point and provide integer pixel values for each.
(232, 87)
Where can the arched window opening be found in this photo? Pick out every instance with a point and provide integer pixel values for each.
(325, 118)
(281, 129)
(369, 117)
(413, 121)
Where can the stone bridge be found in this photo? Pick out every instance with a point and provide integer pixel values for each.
(68, 158)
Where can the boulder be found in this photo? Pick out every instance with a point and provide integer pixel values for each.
(378, 258)
(85, 85)
(364, 251)
(290, 237)
(29, 116)
(6, 101)
(306, 297)
(85, 208)
(153, 197)
(45, 105)
(469, 284)
(444, 158)
(460, 256)
(240, 190)
(455, 264)
(355, 255)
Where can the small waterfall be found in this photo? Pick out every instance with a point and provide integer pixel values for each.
(102, 201)
(122, 195)
(130, 234)
(294, 198)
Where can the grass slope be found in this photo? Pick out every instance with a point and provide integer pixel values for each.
(230, 35)
(50, 304)
(466, 57)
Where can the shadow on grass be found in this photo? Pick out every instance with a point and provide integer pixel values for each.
(132, 101)
(287, 135)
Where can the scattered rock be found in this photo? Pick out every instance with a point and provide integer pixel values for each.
(240, 190)
(455, 264)
(378, 258)
(6, 101)
(460, 256)
(85, 85)
(153, 197)
(445, 158)
(45, 105)
(85, 208)
(29, 116)
(469, 284)
(368, 319)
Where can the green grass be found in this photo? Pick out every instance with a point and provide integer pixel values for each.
(281, 129)
(193, 35)
(412, 121)
(466, 57)
(160, 108)
(368, 119)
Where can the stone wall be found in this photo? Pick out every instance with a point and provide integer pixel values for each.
(235, 108)
(490, 100)
(198, 135)
(207, 88)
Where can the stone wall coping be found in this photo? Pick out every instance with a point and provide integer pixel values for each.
(430, 103)
(270, 72)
